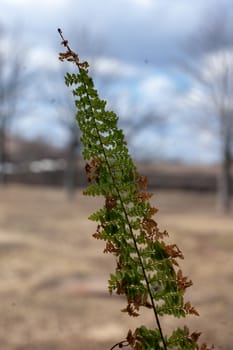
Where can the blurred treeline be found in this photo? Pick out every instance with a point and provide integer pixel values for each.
(36, 162)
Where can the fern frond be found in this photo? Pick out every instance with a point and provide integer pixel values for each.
(147, 270)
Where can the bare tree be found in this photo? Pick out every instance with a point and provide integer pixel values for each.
(219, 81)
(213, 70)
(11, 69)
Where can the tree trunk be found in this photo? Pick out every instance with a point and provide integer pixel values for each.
(224, 179)
(3, 175)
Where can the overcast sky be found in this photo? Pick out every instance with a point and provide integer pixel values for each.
(137, 46)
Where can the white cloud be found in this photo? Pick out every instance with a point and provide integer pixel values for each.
(106, 66)
(158, 92)
(157, 86)
(194, 101)
(41, 57)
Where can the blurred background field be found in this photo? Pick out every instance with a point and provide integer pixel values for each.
(53, 275)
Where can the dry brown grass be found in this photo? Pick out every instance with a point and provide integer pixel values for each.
(53, 290)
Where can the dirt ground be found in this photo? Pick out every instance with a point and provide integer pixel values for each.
(53, 275)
